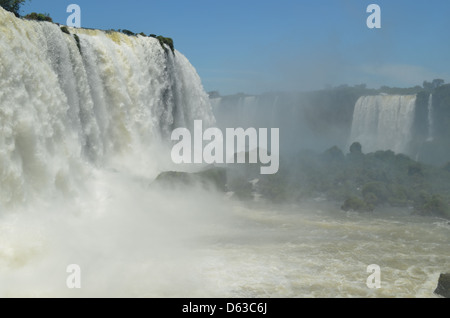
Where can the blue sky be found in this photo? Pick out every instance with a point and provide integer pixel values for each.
(255, 46)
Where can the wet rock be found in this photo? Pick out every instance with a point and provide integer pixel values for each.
(443, 287)
(211, 177)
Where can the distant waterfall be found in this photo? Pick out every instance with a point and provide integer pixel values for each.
(430, 119)
(248, 109)
(384, 122)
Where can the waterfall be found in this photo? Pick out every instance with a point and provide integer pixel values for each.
(65, 109)
(430, 119)
(248, 110)
(384, 122)
(215, 104)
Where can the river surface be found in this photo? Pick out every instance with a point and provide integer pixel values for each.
(130, 240)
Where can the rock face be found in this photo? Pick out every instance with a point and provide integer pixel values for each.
(443, 288)
(213, 177)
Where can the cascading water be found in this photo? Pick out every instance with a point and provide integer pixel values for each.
(296, 114)
(248, 110)
(430, 119)
(384, 122)
(85, 126)
(63, 109)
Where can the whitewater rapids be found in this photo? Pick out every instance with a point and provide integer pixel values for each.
(140, 243)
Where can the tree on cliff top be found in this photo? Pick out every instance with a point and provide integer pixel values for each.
(12, 5)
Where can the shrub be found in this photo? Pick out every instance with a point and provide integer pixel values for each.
(398, 196)
(334, 154)
(168, 41)
(356, 148)
(128, 32)
(12, 5)
(371, 198)
(415, 169)
(356, 204)
(77, 39)
(435, 205)
(65, 30)
(375, 193)
(39, 17)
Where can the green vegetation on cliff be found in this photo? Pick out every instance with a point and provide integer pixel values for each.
(39, 17)
(77, 39)
(12, 5)
(15, 5)
(162, 40)
(65, 30)
(355, 181)
(167, 41)
(364, 182)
